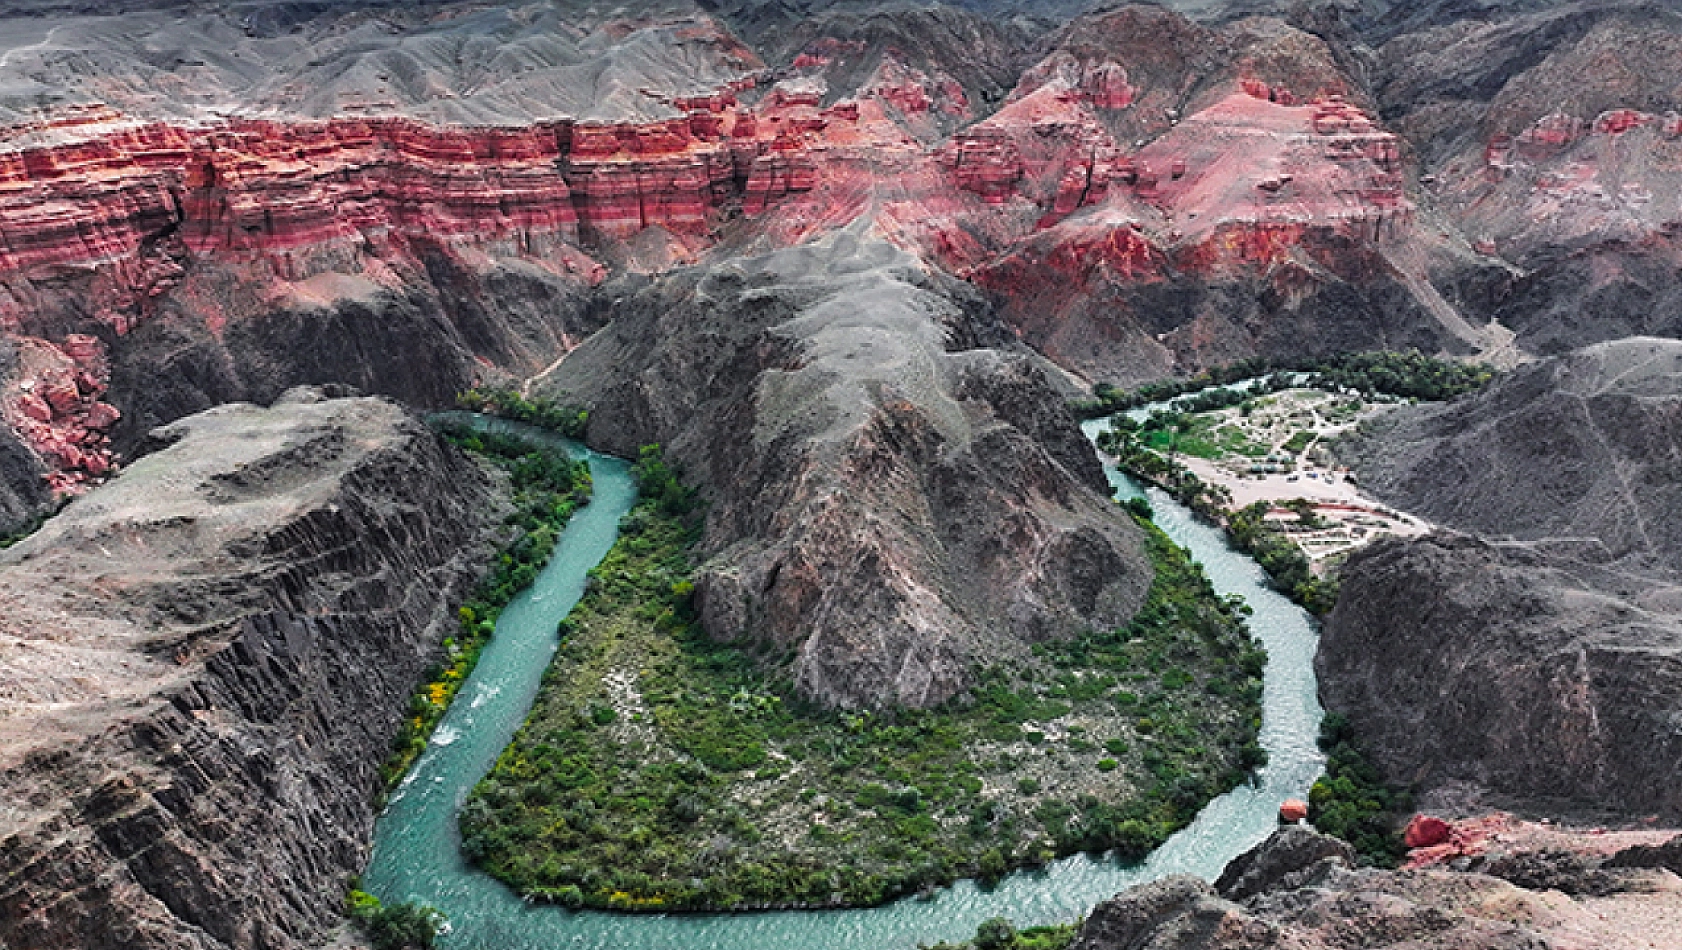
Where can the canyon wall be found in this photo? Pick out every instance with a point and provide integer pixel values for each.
(1139, 193)
(1542, 661)
(1538, 678)
(1549, 138)
(204, 663)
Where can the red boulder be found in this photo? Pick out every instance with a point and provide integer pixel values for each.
(1425, 831)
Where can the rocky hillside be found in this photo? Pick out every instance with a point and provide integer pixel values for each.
(203, 664)
(891, 502)
(1577, 452)
(1529, 675)
(1547, 661)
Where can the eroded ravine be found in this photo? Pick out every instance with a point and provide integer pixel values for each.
(417, 854)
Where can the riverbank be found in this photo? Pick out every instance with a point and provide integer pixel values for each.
(546, 488)
(1264, 480)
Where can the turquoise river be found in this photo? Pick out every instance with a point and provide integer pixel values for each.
(416, 854)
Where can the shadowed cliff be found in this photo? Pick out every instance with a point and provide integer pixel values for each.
(1548, 661)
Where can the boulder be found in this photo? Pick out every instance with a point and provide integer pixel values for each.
(1280, 862)
(1174, 913)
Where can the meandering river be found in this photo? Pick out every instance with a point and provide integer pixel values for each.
(416, 845)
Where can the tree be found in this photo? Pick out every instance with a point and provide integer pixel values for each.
(995, 933)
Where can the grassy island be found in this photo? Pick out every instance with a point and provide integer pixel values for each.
(659, 770)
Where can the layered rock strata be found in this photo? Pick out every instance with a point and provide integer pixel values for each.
(203, 664)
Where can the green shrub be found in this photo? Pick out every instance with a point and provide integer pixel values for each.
(1351, 801)
(1140, 507)
(1409, 374)
(540, 411)
(405, 926)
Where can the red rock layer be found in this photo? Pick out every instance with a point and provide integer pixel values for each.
(1566, 181)
(52, 401)
(250, 186)
(259, 186)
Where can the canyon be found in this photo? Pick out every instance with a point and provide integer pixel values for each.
(847, 261)
(1132, 207)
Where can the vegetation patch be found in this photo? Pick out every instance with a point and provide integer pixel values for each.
(1351, 802)
(405, 926)
(659, 770)
(1126, 441)
(539, 411)
(998, 933)
(548, 486)
(1407, 375)
(32, 525)
(1248, 528)
(1286, 566)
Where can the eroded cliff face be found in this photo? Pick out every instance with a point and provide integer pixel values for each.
(1550, 139)
(1155, 196)
(891, 504)
(1534, 677)
(1142, 194)
(203, 664)
(1546, 662)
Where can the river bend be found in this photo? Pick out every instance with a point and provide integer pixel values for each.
(417, 853)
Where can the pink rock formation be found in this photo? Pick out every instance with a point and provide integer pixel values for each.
(985, 160)
(52, 401)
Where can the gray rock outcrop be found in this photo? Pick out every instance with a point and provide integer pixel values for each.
(201, 668)
(1327, 904)
(1546, 660)
(1284, 858)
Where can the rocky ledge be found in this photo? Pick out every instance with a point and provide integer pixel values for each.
(1300, 890)
(202, 664)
